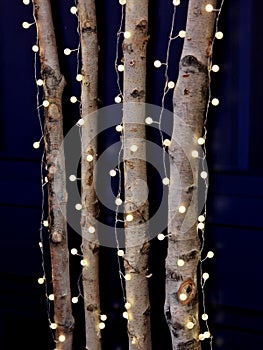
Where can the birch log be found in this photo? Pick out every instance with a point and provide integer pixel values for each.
(54, 83)
(89, 214)
(190, 101)
(135, 178)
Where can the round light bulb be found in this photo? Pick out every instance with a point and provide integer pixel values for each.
(120, 67)
(75, 300)
(161, 236)
(209, 8)
(134, 148)
(36, 144)
(125, 315)
(91, 229)
(127, 35)
(41, 280)
(117, 99)
(83, 262)
(194, 154)
(45, 103)
(201, 218)
(101, 325)
(127, 277)
(182, 34)
(215, 101)
(190, 325)
(35, 48)
(73, 99)
(119, 128)
(103, 317)
(204, 317)
(203, 174)
(26, 2)
(80, 122)
(74, 251)
(79, 77)
(127, 305)
(73, 10)
(62, 338)
(215, 68)
(180, 262)
(53, 326)
(51, 297)
(25, 25)
(176, 2)
(171, 85)
(67, 51)
(122, 2)
(129, 217)
(118, 201)
(120, 252)
(219, 35)
(89, 157)
(201, 337)
(72, 178)
(78, 206)
(113, 173)
(201, 225)
(201, 141)
(166, 181)
(45, 223)
(207, 334)
(40, 82)
(166, 142)
(182, 209)
(205, 276)
(210, 254)
(148, 120)
(182, 296)
(157, 64)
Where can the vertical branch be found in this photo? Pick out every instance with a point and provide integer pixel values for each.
(89, 214)
(135, 178)
(54, 83)
(190, 101)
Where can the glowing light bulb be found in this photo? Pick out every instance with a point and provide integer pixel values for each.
(73, 10)
(129, 217)
(120, 67)
(122, 2)
(201, 225)
(26, 2)
(204, 317)
(201, 141)
(219, 35)
(67, 51)
(101, 325)
(41, 280)
(171, 85)
(148, 120)
(176, 2)
(166, 142)
(134, 148)
(207, 334)
(209, 8)
(201, 337)
(75, 300)
(182, 209)
(79, 77)
(127, 305)
(157, 64)
(180, 262)
(80, 122)
(127, 35)
(45, 103)
(89, 157)
(83, 262)
(201, 218)
(51, 297)
(203, 174)
(194, 154)
(127, 277)
(72, 178)
(118, 201)
(117, 99)
(205, 276)
(120, 252)
(62, 338)
(215, 68)
(119, 128)
(73, 99)
(40, 244)
(125, 315)
(53, 326)
(35, 48)
(39, 82)
(166, 181)
(182, 34)
(113, 173)
(103, 317)
(25, 25)
(161, 236)
(190, 325)
(78, 206)
(215, 101)
(91, 229)
(210, 254)
(182, 296)
(36, 144)
(45, 223)
(74, 251)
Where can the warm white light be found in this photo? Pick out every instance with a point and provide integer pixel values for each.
(210, 254)
(67, 51)
(73, 10)
(91, 229)
(201, 225)
(203, 174)
(133, 148)
(118, 201)
(161, 236)
(176, 2)
(45, 103)
(182, 34)
(80, 122)
(209, 8)
(207, 334)
(79, 77)
(120, 67)
(194, 154)
(83, 262)
(103, 317)
(101, 325)
(113, 172)
(40, 82)
(148, 120)
(127, 277)
(46, 179)
(125, 315)
(157, 64)
(201, 337)
(117, 99)
(62, 338)
(127, 305)
(183, 297)
(166, 181)
(119, 128)
(73, 99)
(204, 317)
(171, 85)
(25, 25)
(127, 35)
(166, 142)
(180, 262)
(26, 2)
(35, 48)
(205, 276)
(45, 223)
(201, 141)
(201, 218)
(75, 300)
(36, 144)
(53, 326)
(40, 244)
(215, 68)
(219, 35)
(78, 206)
(215, 101)
(41, 280)
(190, 325)
(72, 178)
(74, 251)
(129, 217)
(120, 252)
(182, 209)
(122, 2)
(51, 297)
(89, 158)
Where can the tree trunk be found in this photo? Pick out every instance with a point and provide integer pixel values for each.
(190, 103)
(54, 83)
(89, 214)
(135, 178)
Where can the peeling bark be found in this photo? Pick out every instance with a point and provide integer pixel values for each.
(190, 100)
(54, 83)
(135, 179)
(90, 211)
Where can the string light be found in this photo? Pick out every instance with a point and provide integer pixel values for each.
(119, 128)
(190, 325)
(134, 148)
(127, 305)
(118, 201)
(35, 48)
(117, 99)
(176, 2)
(26, 2)
(166, 181)
(125, 315)
(219, 35)
(201, 225)
(103, 317)
(148, 120)
(209, 8)
(80, 122)
(201, 141)
(120, 67)
(129, 217)
(91, 229)
(127, 35)
(215, 68)
(113, 173)
(79, 77)
(207, 334)
(102, 325)
(78, 206)
(203, 174)
(122, 2)
(36, 144)
(210, 254)
(41, 280)
(51, 297)
(157, 64)
(89, 157)
(120, 252)
(180, 262)
(182, 209)
(161, 236)
(73, 10)
(40, 82)
(62, 338)
(201, 337)
(67, 52)
(171, 85)
(215, 101)
(127, 277)
(201, 218)
(167, 143)
(182, 34)
(204, 317)
(205, 276)
(45, 223)
(194, 154)
(26, 25)
(73, 99)
(74, 251)
(72, 178)
(83, 262)
(75, 300)
(53, 326)
(45, 103)
(182, 296)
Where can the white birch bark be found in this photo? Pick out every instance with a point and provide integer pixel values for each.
(90, 210)
(54, 83)
(135, 178)
(190, 101)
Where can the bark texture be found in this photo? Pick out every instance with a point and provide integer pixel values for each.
(135, 178)
(190, 101)
(54, 83)
(89, 214)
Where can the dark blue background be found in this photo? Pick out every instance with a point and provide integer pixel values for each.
(235, 128)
